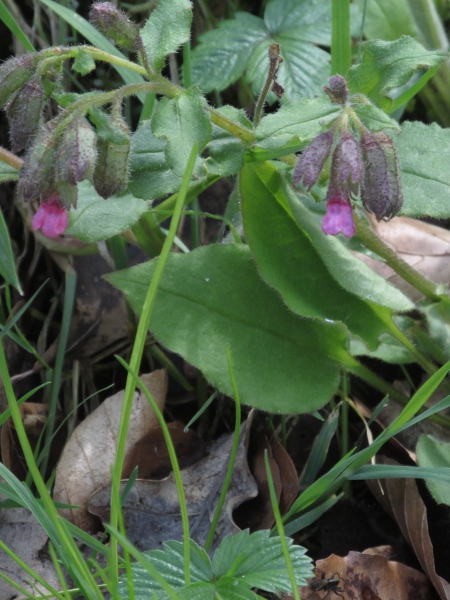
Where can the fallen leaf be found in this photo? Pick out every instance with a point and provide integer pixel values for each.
(424, 247)
(151, 456)
(21, 532)
(87, 458)
(152, 512)
(401, 498)
(366, 576)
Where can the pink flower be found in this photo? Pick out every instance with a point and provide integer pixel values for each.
(51, 217)
(339, 217)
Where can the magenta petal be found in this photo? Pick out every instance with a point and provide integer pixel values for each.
(51, 217)
(339, 218)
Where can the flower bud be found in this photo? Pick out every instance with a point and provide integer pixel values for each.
(111, 172)
(381, 191)
(347, 166)
(312, 161)
(37, 173)
(337, 92)
(77, 153)
(51, 217)
(14, 73)
(114, 24)
(24, 112)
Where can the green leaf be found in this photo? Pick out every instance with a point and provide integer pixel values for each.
(95, 38)
(241, 44)
(438, 321)
(7, 265)
(8, 173)
(387, 66)
(374, 118)
(83, 63)
(228, 588)
(301, 120)
(168, 26)
(289, 261)
(433, 453)
(7, 18)
(96, 219)
(387, 20)
(257, 560)
(183, 122)
(423, 153)
(225, 150)
(217, 298)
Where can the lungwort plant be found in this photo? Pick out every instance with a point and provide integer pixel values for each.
(296, 307)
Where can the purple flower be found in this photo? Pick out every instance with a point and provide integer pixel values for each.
(51, 217)
(339, 217)
(312, 161)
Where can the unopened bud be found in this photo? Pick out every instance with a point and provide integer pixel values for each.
(14, 73)
(381, 191)
(312, 161)
(24, 113)
(77, 153)
(346, 166)
(337, 90)
(114, 24)
(37, 173)
(111, 172)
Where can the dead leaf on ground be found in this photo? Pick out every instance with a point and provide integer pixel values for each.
(151, 456)
(86, 460)
(424, 247)
(22, 534)
(258, 513)
(152, 511)
(368, 576)
(402, 500)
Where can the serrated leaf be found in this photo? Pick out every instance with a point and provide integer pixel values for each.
(258, 560)
(288, 259)
(231, 589)
(423, 154)
(432, 453)
(183, 122)
(96, 219)
(241, 44)
(7, 265)
(216, 291)
(386, 66)
(167, 28)
(301, 120)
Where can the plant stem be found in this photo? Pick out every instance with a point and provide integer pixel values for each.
(274, 61)
(374, 243)
(340, 37)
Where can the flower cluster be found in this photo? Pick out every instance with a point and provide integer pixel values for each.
(366, 163)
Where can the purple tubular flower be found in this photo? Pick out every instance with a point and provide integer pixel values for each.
(339, 216)
(312, 161)
(51, 217)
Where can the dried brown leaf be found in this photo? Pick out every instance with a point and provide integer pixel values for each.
(86, 460)
(152, 512)
(370, 577)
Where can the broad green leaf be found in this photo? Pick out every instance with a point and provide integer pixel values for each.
(434, 453)
(240, 45)
(225, 150)
(387, 20)
(288, 259)
(167, 28)
(374, 118)
(423, 153)
(214, 296)
(228, 588)
(95, 38)
(150, 175)
(258, 560)
(387, 66)
(301, 120)
(183, 122)
(7, 265)
(96, 219)
(438, 321)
